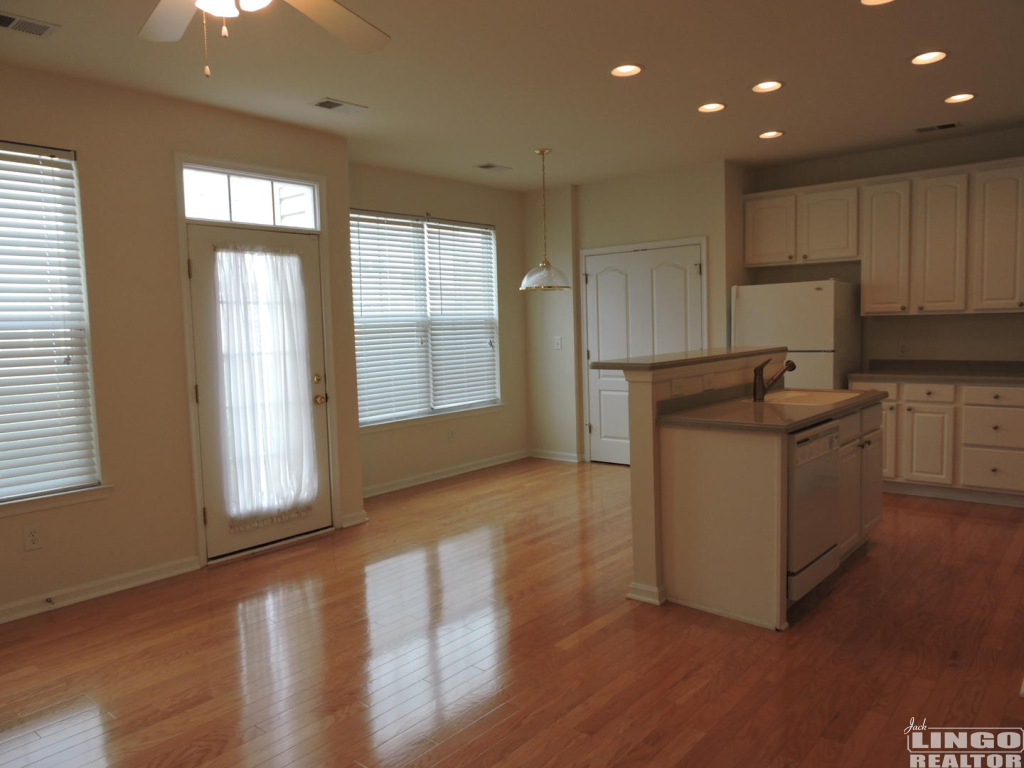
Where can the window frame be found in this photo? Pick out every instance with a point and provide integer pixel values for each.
(455, 412)
(76, 494)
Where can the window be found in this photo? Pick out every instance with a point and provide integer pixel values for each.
(426, 316)
(47, 416)
(216, 195)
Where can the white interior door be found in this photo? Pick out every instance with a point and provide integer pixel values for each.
(260, 385)
(638, 303)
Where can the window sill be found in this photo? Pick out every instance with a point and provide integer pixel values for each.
(417, 421)
(54, 500)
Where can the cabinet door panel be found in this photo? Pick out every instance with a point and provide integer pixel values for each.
(871, 479)
(849, 496)
(939, 238)
(827, 225)
(889, 441)
(885, 247)
(926, 438)
(771, 230)
(997, 239)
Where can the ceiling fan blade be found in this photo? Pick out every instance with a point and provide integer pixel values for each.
(348, 27)
(168, 21)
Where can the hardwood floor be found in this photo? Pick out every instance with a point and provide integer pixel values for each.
(481, 621)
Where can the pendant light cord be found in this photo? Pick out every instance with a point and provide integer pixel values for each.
(206, 48)
(544, 202)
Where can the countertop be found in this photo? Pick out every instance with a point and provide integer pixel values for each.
(773, 417)
(678, 359)
(995, 372)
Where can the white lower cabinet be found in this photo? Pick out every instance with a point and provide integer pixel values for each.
(860, 481)
(889, 451)
(926, 442)
(871, 462)
(849, 501)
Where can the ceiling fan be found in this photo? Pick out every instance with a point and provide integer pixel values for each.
(171, 18)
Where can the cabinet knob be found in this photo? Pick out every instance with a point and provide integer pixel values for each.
(1020, 303)
(995, 397)
(928, 393)
(805, 255)
(790, 257)
(996, 427)
(994, 469)
(903, 308)
(867, 442)
(909, 409)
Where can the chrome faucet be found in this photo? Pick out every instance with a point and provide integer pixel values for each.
(761, 387)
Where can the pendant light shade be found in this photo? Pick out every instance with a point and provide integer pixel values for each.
(254, 5)
(224, 9)
(544, 277)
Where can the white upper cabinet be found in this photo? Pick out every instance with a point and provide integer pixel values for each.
(885, 247)
(997, 239)
(826, 225)
(771, 230)
(939, 244)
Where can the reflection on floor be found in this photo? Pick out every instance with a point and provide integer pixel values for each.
(480, 621)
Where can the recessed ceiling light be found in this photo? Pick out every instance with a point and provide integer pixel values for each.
(628, 70)
(770, 135)
(874, 2)
(714, 106)
(959, 98)
(767, 86)
(928, 58)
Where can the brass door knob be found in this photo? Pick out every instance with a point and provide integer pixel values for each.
(319, 399)
(317, 378)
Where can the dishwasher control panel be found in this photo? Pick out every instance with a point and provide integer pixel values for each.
(810, 447)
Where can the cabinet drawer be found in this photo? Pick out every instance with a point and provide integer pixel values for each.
(871, 419)
(849, 428)
(890, 387)
(929, 393)
(994, 468)
(998, 427)
(994, 396)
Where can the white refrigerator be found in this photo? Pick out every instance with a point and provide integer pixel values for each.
(819, 321)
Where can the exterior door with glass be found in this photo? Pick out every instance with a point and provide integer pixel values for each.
(260, 385)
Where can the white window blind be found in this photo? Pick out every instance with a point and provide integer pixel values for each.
(426, 316)
(47, 422)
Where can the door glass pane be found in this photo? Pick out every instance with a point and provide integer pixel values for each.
(251, 200)
(296, 205)
(269, 455)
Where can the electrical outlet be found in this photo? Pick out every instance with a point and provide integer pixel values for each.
(558, 342)
(31, 537)
(451, 435)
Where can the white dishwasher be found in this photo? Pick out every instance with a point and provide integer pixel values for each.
(813, 507)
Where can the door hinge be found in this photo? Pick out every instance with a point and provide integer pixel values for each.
(197, 393)
(586, 277)
(588, 354)
(590, 428)
(204, 515)
(190, 269)
(700, 269)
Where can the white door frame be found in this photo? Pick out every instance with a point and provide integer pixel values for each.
(584, 326)
(181, 160)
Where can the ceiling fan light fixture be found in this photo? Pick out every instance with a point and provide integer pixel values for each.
(254, 5)
(225, 9)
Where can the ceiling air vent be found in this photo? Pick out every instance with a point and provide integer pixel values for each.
(26, 25)
(339, 106)
(493, 167)
(943, 127)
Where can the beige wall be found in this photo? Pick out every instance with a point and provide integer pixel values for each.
(553, 380)
(126, 142)
(938, 337)
(399, 454)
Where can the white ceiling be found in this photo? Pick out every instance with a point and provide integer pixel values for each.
(465, 82)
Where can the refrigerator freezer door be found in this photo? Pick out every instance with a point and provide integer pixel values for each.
(800, 316)
(814, 370)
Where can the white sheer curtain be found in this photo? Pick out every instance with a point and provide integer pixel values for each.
(268, 449)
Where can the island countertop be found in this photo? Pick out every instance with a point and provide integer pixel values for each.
(678, 359)
(770, 416)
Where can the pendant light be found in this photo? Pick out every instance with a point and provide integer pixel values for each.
(544, 277)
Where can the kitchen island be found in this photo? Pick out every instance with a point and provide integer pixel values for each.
(709, 481)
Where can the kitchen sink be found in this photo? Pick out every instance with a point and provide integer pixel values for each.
(809, 396)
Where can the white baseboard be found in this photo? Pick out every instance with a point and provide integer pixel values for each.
(954, 494)
(38, 604)
(353, 518)
(646, 593)
(557, 456)
(440, 474)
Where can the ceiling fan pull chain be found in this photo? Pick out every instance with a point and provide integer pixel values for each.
(224, 27)
(206, 48)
